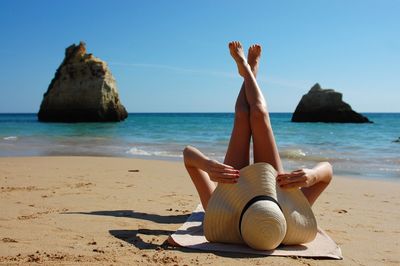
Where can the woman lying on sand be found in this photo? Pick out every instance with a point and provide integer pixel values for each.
(251, 120)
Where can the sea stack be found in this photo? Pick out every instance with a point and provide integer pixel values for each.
(325, 105)
(82, 90)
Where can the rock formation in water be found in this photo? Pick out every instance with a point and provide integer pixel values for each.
(83, 90)
(325, 105)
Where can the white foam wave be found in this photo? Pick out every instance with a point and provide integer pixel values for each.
(389, 169)
(166, 154)
(11, 138)
(137, 151)
(293, 154)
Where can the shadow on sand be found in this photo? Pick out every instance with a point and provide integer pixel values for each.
(132, 237)
(156, 218)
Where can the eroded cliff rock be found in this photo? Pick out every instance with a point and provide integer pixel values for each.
(83, 90)
(325, 105)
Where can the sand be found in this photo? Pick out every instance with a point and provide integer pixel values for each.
(95, 210)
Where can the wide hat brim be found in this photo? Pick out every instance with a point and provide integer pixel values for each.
(222, 217)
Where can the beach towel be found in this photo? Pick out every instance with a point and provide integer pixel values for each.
(191, 235)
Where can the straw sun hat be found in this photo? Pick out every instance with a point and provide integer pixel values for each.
(257, 212)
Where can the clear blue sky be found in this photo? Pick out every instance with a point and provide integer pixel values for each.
(172, 56)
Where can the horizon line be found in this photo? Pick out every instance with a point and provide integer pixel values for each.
(188, 112)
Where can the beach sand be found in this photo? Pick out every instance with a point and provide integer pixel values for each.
(66, 210)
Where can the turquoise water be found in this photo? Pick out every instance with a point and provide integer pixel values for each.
(363, 150)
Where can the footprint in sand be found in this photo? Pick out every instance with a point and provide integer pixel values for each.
(27, 217)
(36, 215)
(341, 211)
(9, 240)
(79, 185)
(11, 189)
(133, 171)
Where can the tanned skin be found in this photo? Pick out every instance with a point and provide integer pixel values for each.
(251, 121)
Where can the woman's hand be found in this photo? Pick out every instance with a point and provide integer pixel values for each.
(221, 173)
(298, 178)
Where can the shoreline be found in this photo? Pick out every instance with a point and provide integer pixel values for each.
(179, 159)
(109, 210)
(357, 150)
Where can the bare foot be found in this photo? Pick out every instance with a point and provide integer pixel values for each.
(237, 53)
(253, 57)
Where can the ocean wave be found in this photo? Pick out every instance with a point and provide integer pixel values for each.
(167, 154)
(293, 154)
(10, 138)
(137, 151)
(389, 169)
(300, 155)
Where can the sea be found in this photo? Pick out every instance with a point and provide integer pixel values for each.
(357, 150)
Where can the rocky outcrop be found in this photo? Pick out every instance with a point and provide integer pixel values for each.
(325, 105)
(83, 90)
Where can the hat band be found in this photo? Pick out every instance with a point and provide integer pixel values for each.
(250, 202)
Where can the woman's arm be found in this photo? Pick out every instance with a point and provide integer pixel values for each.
(218, 172)
(192, 157)
(311, 181)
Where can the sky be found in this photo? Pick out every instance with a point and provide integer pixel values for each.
(172, 56)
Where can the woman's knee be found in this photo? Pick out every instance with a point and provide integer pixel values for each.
(258, 110)
(259, 114)
(242, 112)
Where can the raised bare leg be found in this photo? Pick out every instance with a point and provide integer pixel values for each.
(238, 153)
(253, 58)
(264, 146)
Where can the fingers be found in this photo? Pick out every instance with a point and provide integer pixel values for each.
(293, 173)
(225, 178)
(224, 174)
(292, 179)
(225, 170)
(298, 171)
(289, 181)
